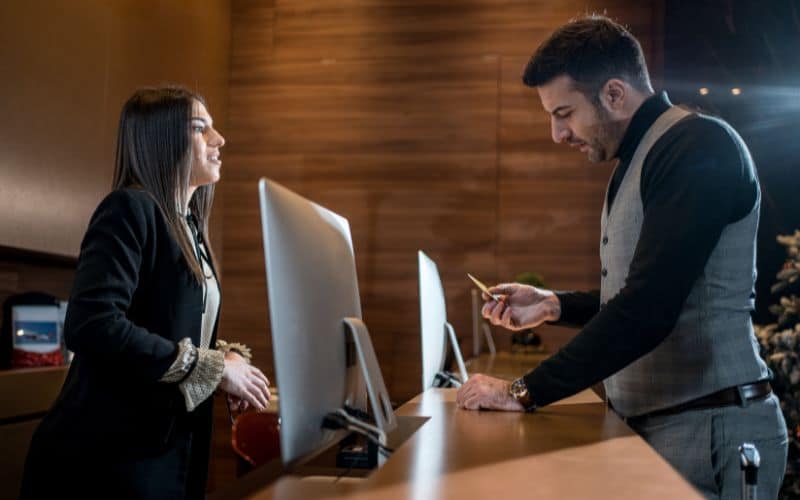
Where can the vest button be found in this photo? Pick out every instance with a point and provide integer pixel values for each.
(605, 240)
(604, 272)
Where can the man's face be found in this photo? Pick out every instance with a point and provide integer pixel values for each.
(574, 119)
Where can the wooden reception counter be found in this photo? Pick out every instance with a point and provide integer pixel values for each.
(573, 449)
(25, 395)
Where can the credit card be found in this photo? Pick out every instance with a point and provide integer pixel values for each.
(483, 287)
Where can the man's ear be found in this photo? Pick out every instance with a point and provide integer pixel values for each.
(613, 94)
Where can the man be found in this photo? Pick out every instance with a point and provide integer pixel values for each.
(669, 331)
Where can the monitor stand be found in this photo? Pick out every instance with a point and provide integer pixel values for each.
(378, 396)
(394, 430)
(462, 369)
(355, 454)
(446, 378)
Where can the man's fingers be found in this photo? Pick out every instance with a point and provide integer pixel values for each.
(460, 394)
(486, 310)
(473, 403)
(470, 396)
(503, 289)
(505, 319)
(463, 394)
(508, 322)
(496, 312)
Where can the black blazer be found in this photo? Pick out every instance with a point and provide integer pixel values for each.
(133, 299)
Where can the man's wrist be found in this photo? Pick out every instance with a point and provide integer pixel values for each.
(555, 308)
(518, 390)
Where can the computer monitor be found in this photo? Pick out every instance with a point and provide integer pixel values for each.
(315, 316)
(435, 330)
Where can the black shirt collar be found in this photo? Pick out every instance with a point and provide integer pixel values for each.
(642, 119)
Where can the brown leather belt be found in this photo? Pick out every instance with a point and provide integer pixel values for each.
(739, 395)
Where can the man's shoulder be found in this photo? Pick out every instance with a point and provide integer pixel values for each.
(699, 130)
(703, 151)
(701, 137)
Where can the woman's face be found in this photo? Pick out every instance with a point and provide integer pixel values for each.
(206, 143)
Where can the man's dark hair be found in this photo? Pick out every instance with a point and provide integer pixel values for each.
(591, 51)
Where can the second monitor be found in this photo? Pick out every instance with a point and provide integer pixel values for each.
(435, 330)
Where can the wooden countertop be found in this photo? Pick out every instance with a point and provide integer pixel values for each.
(572, 449)
(29, 391)
(504, 364)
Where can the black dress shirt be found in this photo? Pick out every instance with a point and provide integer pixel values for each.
(693, 184)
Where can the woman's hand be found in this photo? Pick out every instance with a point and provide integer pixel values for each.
(521, 306)
(244, 381)
(237, 404)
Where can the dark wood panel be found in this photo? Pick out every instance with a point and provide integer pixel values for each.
(68, 68)
(360, 29)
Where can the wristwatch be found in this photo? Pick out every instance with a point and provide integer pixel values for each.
(519, 391)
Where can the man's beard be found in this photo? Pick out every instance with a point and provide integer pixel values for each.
(607, 133)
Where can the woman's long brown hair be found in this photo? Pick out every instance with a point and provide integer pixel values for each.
(154, 154)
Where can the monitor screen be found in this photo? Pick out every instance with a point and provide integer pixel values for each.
(433, 315)
(312, 286)
(435, 330)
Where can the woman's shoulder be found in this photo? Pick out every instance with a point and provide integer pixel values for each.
(132, 206)
(128, 200)
(129, 196)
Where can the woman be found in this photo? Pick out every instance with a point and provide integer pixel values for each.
(133, 419)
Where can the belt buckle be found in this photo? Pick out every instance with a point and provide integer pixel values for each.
(743, 401)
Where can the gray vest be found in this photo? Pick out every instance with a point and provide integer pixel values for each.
(712, 345)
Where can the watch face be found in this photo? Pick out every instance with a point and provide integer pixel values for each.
(518, 388)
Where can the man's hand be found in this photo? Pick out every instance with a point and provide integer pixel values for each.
(244, 381)
(482, 392)
(520, 306)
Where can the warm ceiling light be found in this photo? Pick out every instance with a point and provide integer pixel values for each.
(703, 91)
(736, 91)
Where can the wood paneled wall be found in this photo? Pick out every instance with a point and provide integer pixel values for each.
(67, 69)
(410, 119)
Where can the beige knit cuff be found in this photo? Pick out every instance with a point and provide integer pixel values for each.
(242, 349)
(204, 379)
(183, 364)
